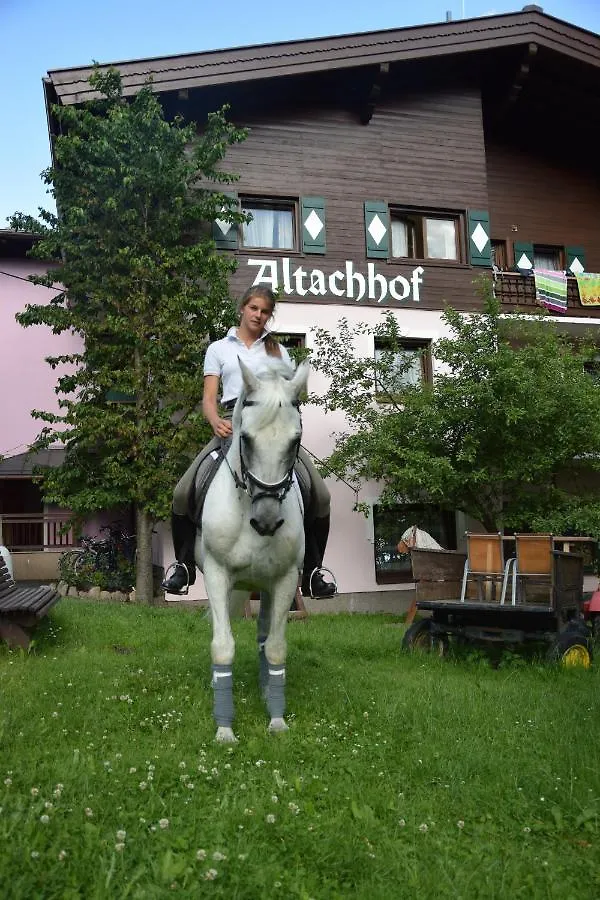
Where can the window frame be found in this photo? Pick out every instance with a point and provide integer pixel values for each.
(405, 344)
(405, 515)
(417, 217)
(548, 250)
(271, 203)
(499, 246)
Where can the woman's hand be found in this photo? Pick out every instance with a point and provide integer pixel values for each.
(222, 428)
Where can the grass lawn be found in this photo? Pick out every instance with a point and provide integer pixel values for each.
(401, 776)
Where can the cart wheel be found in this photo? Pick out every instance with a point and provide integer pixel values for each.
(572, 648)
(420, 637)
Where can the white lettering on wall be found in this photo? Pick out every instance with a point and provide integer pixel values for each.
(349, 283)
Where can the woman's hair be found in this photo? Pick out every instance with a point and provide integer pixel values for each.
(264, 293)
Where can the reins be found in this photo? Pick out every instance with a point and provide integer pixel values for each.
(276, 490)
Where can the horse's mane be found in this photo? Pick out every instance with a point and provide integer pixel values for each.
(273, 393)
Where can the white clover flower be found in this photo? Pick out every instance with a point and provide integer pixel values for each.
(274, 798)
(143, 785)
(44, 819)
(34, 854)
(460, 824)
(163, 823)
(211, 874)
(200, 854)
(132, 770)
(8, 782)
(119, 847)
(402, 823)
(527, 829)
(62, 855)
(293, 808)
(89, 813)
(270, 818)
(218, 856)
(34, 791)
(423, 827)
(121, 834)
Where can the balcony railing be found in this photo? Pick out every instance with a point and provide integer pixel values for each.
(35, 531)
(516, 290)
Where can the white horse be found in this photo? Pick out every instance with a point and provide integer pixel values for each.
(252, 535)
(416, 537)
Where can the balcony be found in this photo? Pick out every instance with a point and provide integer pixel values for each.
(516, 290)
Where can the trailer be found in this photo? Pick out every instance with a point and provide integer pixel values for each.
(464, 604)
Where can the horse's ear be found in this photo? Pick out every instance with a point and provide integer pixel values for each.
(300, 378)
(249, 378)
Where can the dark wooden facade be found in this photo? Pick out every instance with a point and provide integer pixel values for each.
(488, 114)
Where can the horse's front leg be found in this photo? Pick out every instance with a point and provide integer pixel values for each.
(283, 593)
(218, 587)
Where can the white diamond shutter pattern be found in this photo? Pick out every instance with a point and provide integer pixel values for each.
(523, 254)
(313, 225)
(480, 244)
(575, 260)
(377, 229)
(225, 234)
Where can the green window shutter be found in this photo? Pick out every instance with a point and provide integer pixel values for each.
(480, 244)
(523, 252)
(313, 225)
(225, 234)
(575, 260)
(377, 229)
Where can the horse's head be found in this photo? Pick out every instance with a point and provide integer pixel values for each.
(267, 422)
(408, 539)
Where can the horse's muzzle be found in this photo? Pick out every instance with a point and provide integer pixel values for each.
(266, 529)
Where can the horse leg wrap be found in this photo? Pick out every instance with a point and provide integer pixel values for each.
(276, 691)
(222, 679)
(263, 668)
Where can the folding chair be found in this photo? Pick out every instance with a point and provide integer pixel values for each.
(534, 565)
(485, 564)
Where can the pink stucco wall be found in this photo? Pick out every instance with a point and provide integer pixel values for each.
(26, 380)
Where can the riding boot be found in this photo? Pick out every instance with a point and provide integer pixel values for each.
(316, 533)
(184, 570)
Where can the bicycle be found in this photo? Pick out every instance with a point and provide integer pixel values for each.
(95, 555)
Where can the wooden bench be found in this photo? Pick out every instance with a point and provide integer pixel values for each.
(21, 608)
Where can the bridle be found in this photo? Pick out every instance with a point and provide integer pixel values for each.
(247, 480)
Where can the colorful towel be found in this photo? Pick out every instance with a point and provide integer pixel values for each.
(589, 288)
(551, 289)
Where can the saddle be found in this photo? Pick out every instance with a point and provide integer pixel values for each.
(208, 468)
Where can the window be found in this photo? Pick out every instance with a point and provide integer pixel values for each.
(295, 344)
(390, 523)
(273, 224)
(419, 235)
(406, 366)
(499, 255)
(548, 258)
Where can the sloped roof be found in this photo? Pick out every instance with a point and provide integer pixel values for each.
(24, 463)
(263, 61)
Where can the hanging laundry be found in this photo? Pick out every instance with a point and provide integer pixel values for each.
(589, 288)
(551, 289)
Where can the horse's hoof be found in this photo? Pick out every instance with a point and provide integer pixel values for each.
(277, 725)
(225, 735)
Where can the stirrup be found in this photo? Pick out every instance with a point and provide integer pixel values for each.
(185, 588)
(321, 569)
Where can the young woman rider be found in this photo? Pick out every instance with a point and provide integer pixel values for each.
(251, 342)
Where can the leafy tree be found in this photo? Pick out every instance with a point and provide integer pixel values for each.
(508, 431)
(145, 290)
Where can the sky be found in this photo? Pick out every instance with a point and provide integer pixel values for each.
(37, 36)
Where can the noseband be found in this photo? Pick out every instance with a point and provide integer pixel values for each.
(275, 490)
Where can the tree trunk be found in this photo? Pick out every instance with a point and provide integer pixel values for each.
(144, 588)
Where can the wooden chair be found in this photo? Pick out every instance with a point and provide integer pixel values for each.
(485, 565)
(534, 566)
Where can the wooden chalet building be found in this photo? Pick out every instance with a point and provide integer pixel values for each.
(388, 170)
